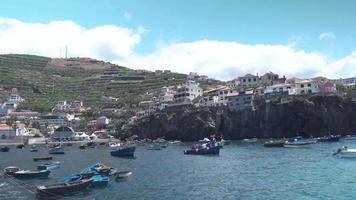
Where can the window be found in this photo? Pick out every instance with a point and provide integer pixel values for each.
(309, 85)
(302, 85)
(249, 80)
(254, 79)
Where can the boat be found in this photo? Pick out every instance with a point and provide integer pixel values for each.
(298, 142)
(329, 138)
(91, 144)
(70, 178)
(42, 158)
(82, 146)
(345, 152)
(23, 174)
(274, 143)
(20, 146)
(4, 149)
(49, 166)
(174, 142)
(11, 170)
(62, 189)
(99, 180)
(123, 151)
(123, 174)
(56, 150)
(350, 137)
(102, 143)
(154, 147)
(214, 150)
(250, 140)
(33, 150)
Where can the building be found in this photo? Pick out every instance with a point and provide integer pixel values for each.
(7, 131)
(346, 82)
(327, 87)
(241, 100)
(208, 101)
(55, 120)
(14, 98)
(280, 88)
(187, 92)
(248, 81)
(102, 122)
(75, 106)
(269, 78)
(305, 86)
(61, 106)
(63, 133)
(193, 76)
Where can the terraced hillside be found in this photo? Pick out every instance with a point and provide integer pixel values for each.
(43, 81)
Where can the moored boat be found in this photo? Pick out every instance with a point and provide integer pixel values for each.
(99, 180)
(250, 139)
(123, 174)
(345, 152)
(214, 150)
(42, 158)
(299, 142)
(350, 137)
(82, 146)
(329, 138)
(123, 151)
(274, 143)
(24, 174)
(154, 147)
(20, 146)
(11, 170)
(56, 150)
(62, 189)
(4, 149)
(49, 166)
(70, 178)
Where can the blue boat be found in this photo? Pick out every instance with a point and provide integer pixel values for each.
(49, 166)
(123, 151)
(99, 181)
(70, 178)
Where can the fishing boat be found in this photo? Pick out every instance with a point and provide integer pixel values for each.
(298, 142)
(70, 178)
(49, 166)
(91, 144)
(214, 150)
(23, 174)
(174, 142)
(56, 150)
(123, 174)
(62, 189)
(11, 170)
(33, 149)
(82, 146)
(42, 158)
(99, 180)
(274, 143)
(20, 146)
(329, 138)
(123, 151)
(4, 149)
(345, 152)
(154, 147)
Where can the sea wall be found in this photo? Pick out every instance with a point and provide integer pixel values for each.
(315, 115)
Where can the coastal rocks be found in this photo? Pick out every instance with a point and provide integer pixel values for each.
(305, 116)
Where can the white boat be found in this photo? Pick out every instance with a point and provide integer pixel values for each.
(350, 137)
(250, 140)
(345, 152)
(56, 150)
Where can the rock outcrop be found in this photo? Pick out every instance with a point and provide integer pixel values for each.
(282, 117)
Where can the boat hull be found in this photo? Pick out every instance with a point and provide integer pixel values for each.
(123, 152)
(43, 158)
(207, 151)
(62, 189)
(39, 174)
(346, 155)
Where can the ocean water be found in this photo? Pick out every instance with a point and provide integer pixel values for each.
(241, 171)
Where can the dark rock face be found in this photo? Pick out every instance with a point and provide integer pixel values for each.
(305, 116)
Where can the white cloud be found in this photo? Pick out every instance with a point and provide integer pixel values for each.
(218, 59)
(127, 16)
(327, 36)
(226, 60)
(102, 42)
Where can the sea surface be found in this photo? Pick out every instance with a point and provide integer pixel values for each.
(241, 171)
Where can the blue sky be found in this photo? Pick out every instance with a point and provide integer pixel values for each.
(299, 23)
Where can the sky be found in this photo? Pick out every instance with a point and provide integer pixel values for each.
(219, 38)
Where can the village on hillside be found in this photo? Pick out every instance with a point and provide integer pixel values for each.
(73, 120)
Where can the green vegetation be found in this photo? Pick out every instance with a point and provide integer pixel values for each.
(43, 84)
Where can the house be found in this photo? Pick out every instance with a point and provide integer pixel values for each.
(187, 92)
(102, 122)
(233, 84)
(75, 106)
(54, 120)
(7, 108)
(304, 86)
(21, 130)
(346, 82)
(241, 100)
(280, 88)
(208, 101)
(14, 98)
(158, 72)
(63, 133)
(61, 106)
(269, 78)
(7, 131)
(327, 87)
(249, 81)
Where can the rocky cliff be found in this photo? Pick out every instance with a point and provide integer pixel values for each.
(281, 117)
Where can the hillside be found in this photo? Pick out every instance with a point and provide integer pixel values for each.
(43, 81)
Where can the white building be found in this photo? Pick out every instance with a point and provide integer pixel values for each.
(187, 92)
(249, 80)
(51, 120)
(208, 101)
(305, 86)
(14, 98)
(280, 88)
